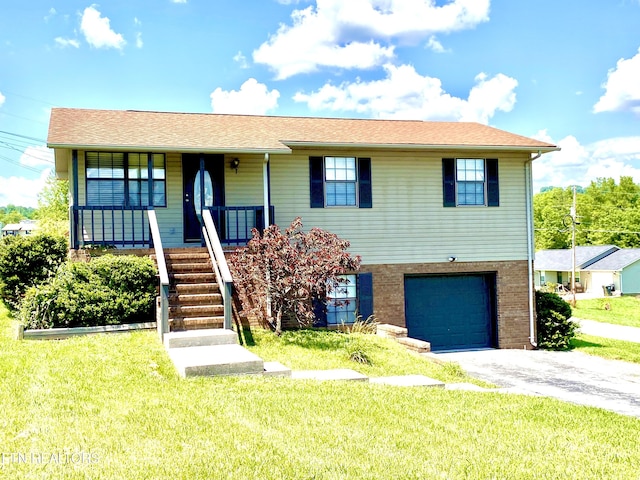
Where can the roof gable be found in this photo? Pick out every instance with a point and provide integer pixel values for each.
(618, 260)
(80, 128)
(560, 260)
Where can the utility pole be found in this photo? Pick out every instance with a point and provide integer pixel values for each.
(574, 222)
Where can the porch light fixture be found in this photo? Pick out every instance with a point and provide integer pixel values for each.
(452, 258)
(235, 162)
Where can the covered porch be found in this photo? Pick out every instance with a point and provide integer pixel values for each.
(113, 193)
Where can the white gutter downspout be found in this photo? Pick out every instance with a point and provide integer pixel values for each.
(530, 257)
(265, 189)
(267, 220)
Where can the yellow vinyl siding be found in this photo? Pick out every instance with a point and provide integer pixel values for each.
(408, 223)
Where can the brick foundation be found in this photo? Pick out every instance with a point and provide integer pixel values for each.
(511, 288)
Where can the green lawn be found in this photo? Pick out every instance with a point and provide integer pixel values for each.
(607, 348)
(322, 349)
(621, 310)
(117, 400)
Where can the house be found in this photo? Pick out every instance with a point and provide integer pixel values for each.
(555, 266)
(25, 227)
(620, 269)
(439, 211)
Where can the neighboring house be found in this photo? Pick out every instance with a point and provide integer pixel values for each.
(555, 267)
(439, 211)
(25, 227)
(620, 269)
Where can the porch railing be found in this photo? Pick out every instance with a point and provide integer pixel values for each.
(162, 318)
(220, 266)
(128, 227)
(234, 224)
(116, 226)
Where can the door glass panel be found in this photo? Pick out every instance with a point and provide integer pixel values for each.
(208, 192)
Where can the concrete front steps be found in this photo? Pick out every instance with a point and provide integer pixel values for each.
(213, 352)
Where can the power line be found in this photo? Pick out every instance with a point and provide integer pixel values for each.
(23, 136)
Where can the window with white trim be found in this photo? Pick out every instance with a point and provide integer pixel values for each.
(341, 181)
(470, 181)
(342, 301)
(470, 184)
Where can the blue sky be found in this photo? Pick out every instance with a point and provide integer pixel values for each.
(565, 71)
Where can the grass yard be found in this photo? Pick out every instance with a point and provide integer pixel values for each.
(322, 349)
(622, 310)
(111, 406)
(607, 348)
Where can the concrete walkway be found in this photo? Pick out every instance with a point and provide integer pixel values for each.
(609, 330)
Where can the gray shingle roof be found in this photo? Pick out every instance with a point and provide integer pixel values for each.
(559, 260)
(617, 260)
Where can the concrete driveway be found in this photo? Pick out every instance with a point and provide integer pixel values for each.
(570, 376)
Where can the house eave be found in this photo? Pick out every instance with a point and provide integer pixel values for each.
(170, 149)
(424, 147)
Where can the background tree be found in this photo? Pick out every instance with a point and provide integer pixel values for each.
(609, 214)
(549, 209)
(279, 275)
(53, 207)
(13, 214)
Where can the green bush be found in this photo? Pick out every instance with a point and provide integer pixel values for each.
(555, 329)
(109, 290)
(26, 261)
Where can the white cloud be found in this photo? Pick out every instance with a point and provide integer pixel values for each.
(435, 45)
(52, 13)
(349, 35)
(253, 98)
(22, 191)
(37, 156)
(97, 30)
(622, 89)
(578, 164)
(178, 1)
(241, 60)
(2, 99)
(139, 42)
(67, 42)
(405, 94)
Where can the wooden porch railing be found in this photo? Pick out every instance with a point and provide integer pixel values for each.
(235, 224)
(128, 227)
(117, 226)
(220, 266)
(163, 321)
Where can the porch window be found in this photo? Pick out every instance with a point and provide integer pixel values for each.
(124, 179)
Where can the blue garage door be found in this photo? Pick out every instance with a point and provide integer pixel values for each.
(451, 311)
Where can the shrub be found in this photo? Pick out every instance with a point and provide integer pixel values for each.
(280, 274)
(109, 290)
(555, 329)
(26, 261)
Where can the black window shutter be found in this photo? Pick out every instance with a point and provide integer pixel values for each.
(364, 291)
(364, 179)
(493, 189)
(448, 182)
(320, 313)
(316, 174)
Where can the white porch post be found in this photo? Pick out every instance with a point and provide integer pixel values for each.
(265, 189)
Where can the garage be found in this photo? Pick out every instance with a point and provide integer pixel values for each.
(452, 312)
